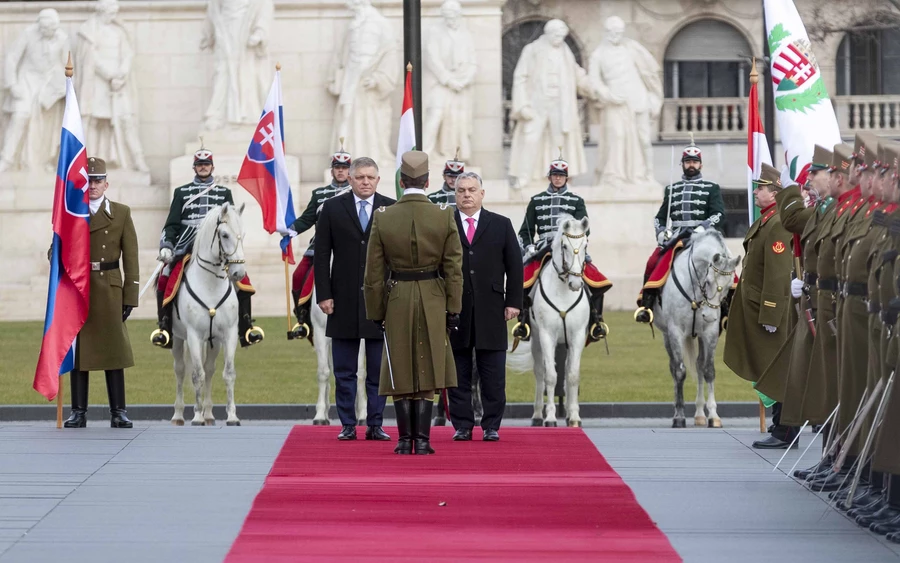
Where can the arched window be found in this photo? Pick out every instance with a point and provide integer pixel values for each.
(706, 59)
(867, 63)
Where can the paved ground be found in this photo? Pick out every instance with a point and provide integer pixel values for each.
(158, 493)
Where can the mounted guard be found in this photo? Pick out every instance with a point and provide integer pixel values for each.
(453, 169)
(542, 220)
(190, 205)
(693, 203)
(303, 280)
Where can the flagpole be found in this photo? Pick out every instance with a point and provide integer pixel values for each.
(768, 93)
(412, 53)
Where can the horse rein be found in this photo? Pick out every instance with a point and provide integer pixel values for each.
(566, 271)
(695, 306)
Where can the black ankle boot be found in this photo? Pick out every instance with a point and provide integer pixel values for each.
(422, 426)
(162, 336)
(303, 328)
(597, 329)
(644, 313)
(403, 409)
(78, 417)
(115, 389)
(248, 333)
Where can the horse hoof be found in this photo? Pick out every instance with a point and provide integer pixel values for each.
(197, 423)
(440, 421)
(211, 422)
(537, 422)
(678, 423)
(574, 423)
(700, 421)
(317, 422)
(549, 424)
(361, 422)
(178, 422)
(232, 423)
(715, 423)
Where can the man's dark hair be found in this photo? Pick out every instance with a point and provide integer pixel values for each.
(413, 182)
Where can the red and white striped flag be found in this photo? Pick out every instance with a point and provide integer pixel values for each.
(406, 139)
(757, 147)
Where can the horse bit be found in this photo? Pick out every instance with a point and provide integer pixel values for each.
(695, 306)
(562, 274)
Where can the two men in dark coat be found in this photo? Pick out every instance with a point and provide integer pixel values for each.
(342, 238)
(492, 295)
(103, 342)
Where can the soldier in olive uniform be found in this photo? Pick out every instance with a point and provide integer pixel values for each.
(304, 276)
(411, 245)
(759, 322)
(190, 204)
(103, 341)
(447, 194)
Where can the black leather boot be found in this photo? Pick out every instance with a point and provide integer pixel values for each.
(303, 328)
(403, 409)
(248, 333)
(78, 416)
(724, 307)
(644, 313)
(162, 336)
(422, 427)
(115, 389)
(597, 329)
(522, 330)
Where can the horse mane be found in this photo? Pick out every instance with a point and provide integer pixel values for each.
(557, 238)
(206, 231)
(708, 243)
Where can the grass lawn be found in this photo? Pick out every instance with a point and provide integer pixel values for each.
(278, 371)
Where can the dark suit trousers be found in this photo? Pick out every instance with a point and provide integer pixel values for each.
(492, 371)
(344, 354)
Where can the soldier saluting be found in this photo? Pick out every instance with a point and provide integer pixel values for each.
(190, 204)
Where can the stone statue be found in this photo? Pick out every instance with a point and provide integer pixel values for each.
(107, 91)
(450, 67)
(626, 79)
(36, 91)
(546, 83)
(237, 31)
(365, 72)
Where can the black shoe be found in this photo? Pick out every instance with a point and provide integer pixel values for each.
(643, 315)
(79, 383)
(888, 527)
(377, 433)
(862, 499)
(421, 414)
(771, 428)
(115, 390)
(868, 509)
(463, 435)
(886, 514)
(248, 333)
(348, 432)
(773, 443)
(403, 409)
(491, 436)
(831, 483)
(161, 338)
(522, 331)
(894, 538)
(823, 467)
(77, 419)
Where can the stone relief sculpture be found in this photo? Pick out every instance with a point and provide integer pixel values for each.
(546, 84)
(237, 32)
(35, 99)
(626, 79)
(107, 91)
(449, 71)
(365, 72)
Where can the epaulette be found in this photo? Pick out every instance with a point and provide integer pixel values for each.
(826, 203)
(894, 227)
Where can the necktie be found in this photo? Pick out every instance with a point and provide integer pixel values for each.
(470, 230)
(363, 216)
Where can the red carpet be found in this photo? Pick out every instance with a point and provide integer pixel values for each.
(538, 494)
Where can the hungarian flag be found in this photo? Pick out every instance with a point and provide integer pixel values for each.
(264, 172)
(757, 147)
(802, 106)
(406, 139)
(68, 297)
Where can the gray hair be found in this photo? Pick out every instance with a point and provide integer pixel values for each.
(470, 176)
(362, 162)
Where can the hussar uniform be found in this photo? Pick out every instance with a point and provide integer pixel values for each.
(760, 319)
(542, 218)
(190, 205)
(446, 195)
(103, 342)
(413, 288)
(691, 203)
(303, 279)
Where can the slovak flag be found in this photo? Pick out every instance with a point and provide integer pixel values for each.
(68, 297)
(264, 173)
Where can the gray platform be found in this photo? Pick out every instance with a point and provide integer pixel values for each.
(158, 493)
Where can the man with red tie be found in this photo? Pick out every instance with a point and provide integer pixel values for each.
(492, 295)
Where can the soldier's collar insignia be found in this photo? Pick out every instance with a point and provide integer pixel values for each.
(381, 208)
(444, 205)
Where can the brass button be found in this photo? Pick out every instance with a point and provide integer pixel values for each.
(103, 259)
(101, 274)
(103, 246)
(105, 232)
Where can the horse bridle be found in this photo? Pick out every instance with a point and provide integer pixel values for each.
(224, 257)
(566, 271)
(693, 272)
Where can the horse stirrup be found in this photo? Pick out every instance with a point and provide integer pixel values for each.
(640, 310)
(254, 335)
(599, 331)
(299, 330)
(519, 328)
(159, 342)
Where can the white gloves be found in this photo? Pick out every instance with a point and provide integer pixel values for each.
(165, 255)
(796, 288)
(529, 250)
(786, 180)
(770, 328)
(291, 233)
(662, 237)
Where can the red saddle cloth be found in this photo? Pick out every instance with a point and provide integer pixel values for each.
(304, 279)
(660, 264)
(169, 284)
(591, 275)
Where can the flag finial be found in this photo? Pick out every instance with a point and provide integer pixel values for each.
(342, 143)
(277, 67)
(692, 137)
(560, 152)
(408, 67)
(456, 157)
(201, 143)
(69, 68)
(754, 76)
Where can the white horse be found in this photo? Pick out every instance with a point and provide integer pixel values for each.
(325, 368)
(207, 313)
(688, 316)
(559, 317)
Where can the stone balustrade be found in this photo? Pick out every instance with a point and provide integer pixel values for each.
(706, 118)
(876, 114)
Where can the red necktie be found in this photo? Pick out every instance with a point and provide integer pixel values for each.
(470, 231)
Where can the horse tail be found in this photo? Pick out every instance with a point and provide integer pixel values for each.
(690, 351)
(520, 361)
